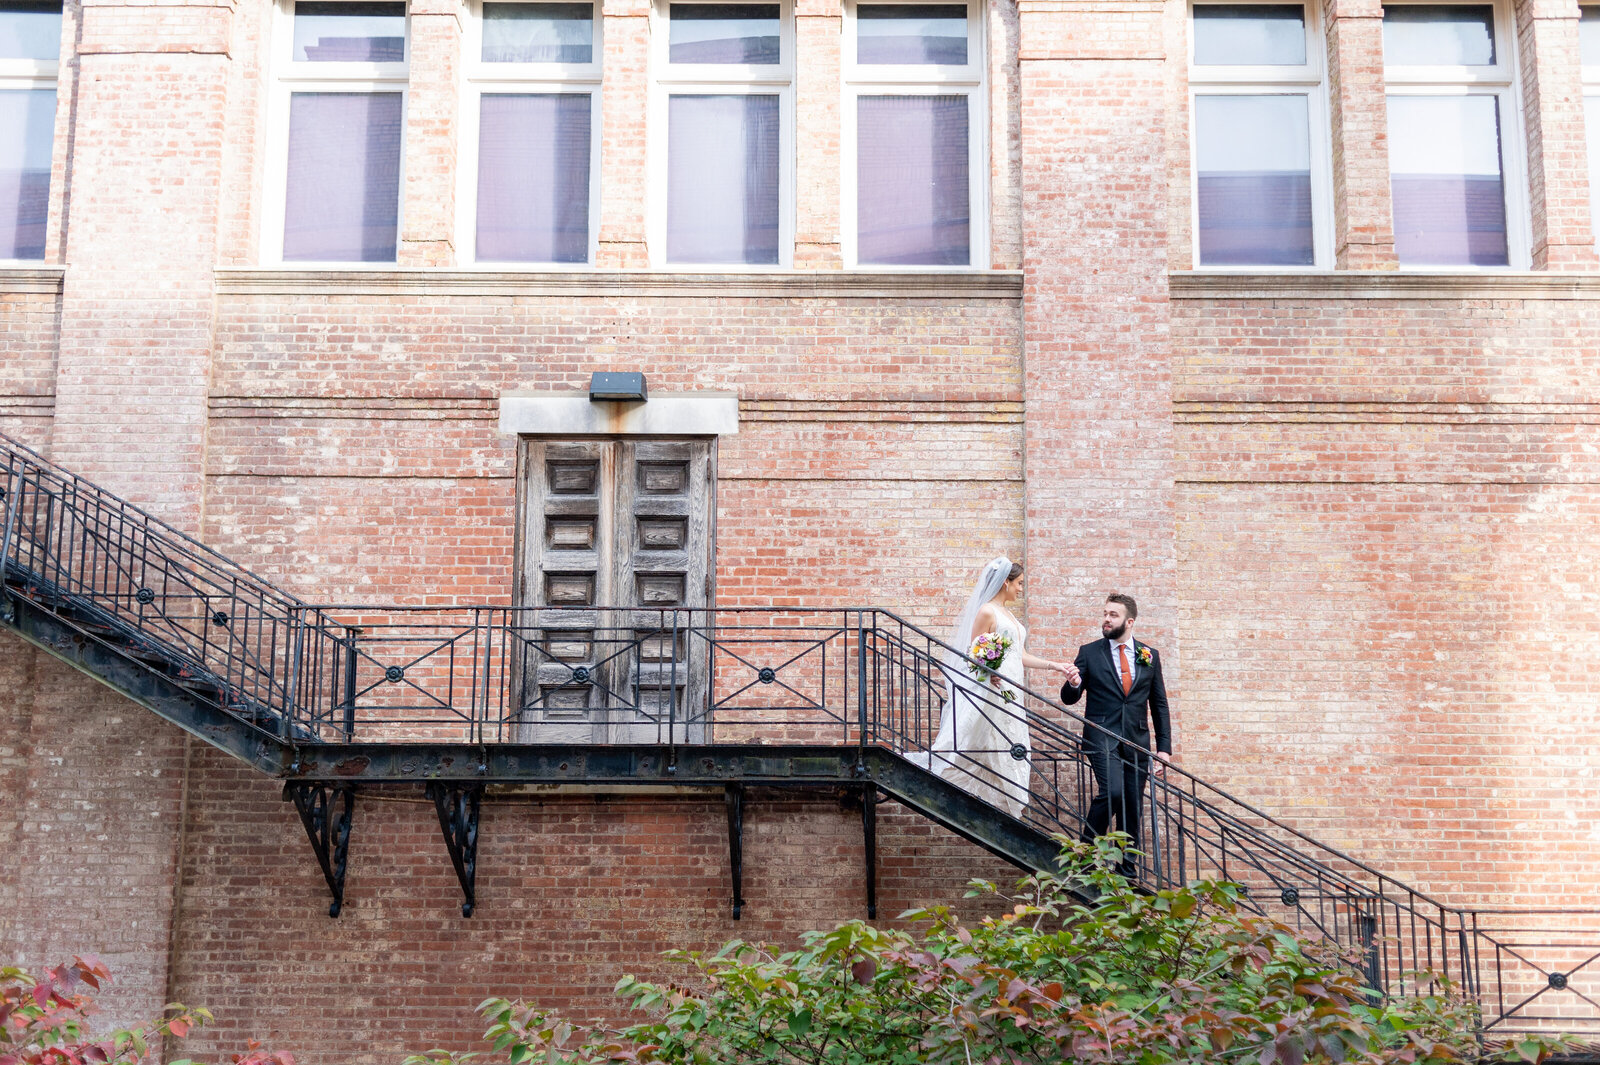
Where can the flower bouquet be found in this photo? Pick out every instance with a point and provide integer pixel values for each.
(990, 650)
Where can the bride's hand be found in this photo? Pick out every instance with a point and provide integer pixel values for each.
(1068, 671)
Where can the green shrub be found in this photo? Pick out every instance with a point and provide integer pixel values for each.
(1175, 976)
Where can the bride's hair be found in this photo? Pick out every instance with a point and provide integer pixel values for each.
(994, 574)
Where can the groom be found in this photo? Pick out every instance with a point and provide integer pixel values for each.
(1123, 680)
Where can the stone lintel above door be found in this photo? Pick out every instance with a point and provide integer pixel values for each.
(575, 414)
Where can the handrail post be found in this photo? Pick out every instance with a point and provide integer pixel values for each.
(1157, 869)
(861, 691)
(291, 683)
(350, 683)
(1471, 978)
(485, 625)
(672, 693)
(1367, 930)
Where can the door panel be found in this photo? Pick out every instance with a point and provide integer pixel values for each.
(663, 549)
(566, 563)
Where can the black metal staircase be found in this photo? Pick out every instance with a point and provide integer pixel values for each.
(329, 699)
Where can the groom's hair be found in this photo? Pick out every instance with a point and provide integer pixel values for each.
(1127, 603)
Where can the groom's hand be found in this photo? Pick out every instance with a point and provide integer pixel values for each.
(1070, 672)
(1163, 759)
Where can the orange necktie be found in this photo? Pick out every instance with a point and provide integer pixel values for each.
(1127, 678)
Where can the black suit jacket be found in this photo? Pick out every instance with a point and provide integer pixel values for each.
(1124, 715)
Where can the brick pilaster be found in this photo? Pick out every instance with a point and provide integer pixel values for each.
(1005, 137)
(817, 125)
(141, 223)
(149, 114)
(1099, 446)
(623, 107)
(1363, 218)
(428, 200)
(1552, 102)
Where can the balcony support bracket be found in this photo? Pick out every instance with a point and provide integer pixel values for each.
(733, 797)
(326, 811)
(458, 806)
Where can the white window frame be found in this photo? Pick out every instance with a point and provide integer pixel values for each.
(513, 79)
(290, 77)
(1501, 82)
(1308, 80)
(718, 79)
(31, 74)
(884, 79)
(1591, 91)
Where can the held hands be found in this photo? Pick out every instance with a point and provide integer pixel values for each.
(1067, 670)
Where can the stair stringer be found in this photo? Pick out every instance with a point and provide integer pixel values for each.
(144, 685)
(966, 815)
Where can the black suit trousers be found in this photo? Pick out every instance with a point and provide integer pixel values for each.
(1121, 772)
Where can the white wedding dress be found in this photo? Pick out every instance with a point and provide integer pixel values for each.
(979, 731)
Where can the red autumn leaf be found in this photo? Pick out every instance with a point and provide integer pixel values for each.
(178, 1027)
(864, 970)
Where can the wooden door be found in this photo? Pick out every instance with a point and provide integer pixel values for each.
(615, 538)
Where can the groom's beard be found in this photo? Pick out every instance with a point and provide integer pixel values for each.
(1116, 633)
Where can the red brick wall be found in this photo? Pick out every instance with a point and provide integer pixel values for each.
(28, 334)
(354, 454)
(573, 891)
(136, 324)
(1388, 538)
(1552, 95)
(18, 681)
(95, 789)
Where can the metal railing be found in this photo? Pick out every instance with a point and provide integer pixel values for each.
(675, 678)
(170, 599)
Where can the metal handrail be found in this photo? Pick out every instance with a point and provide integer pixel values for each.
(852, 676)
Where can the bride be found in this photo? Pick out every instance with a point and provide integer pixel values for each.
(983, 722)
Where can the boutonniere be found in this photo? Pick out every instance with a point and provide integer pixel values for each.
(1144, 656)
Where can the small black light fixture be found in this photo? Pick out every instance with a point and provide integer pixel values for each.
(617, 386)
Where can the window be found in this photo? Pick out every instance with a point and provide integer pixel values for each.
(30, 50)
(338, 134)
(722, 134)
(1261, 176)
(1589, 48)
(1455, 184)
(913, 134)
(533, 110)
